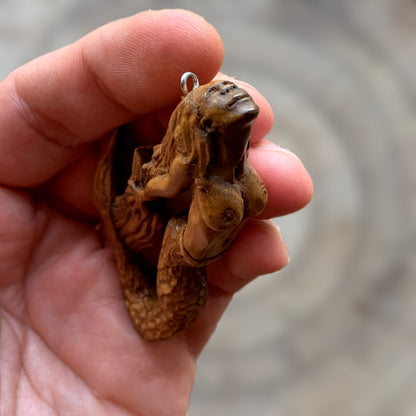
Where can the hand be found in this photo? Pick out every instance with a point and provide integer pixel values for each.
(67, 345)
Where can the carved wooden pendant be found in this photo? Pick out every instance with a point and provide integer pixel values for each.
(184, 199)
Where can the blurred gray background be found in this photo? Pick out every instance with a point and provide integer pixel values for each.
(335, 332)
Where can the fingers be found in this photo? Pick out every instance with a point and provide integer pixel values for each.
(51, 106)
(259, 249)
(288, 183)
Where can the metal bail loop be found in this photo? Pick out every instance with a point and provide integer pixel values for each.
(184, 82)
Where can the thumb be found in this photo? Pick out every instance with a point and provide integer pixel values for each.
(55, 104)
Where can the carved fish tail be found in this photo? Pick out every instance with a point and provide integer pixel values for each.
(180, 294)
(139, 228)
(157, 311)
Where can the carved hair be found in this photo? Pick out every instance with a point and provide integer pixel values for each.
(185, 135)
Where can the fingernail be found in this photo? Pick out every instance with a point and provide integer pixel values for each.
(281, 237)
(287, 152)
(269, 146)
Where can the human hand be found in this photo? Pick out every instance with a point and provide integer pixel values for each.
(67, 345)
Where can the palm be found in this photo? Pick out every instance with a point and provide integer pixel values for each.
(64, 319)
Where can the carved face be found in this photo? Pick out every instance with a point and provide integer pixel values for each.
(229, 97)
(227, 113)
(223, 103)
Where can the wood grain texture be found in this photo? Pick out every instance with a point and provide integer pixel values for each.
(183, 204)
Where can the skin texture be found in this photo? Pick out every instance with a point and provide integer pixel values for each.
(186, 199)
(67, 345)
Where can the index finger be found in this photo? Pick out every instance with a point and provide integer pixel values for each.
(54, 105)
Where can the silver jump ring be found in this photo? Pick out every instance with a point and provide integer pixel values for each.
(184, 82)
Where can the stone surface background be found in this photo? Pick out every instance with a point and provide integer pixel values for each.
(335, 332)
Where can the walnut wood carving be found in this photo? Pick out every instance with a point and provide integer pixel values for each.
(184, 199)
